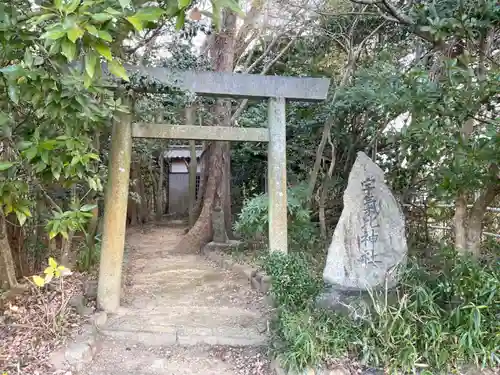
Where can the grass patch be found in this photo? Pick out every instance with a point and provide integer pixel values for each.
(446, 315)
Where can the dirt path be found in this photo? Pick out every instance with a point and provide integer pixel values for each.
(181, 315)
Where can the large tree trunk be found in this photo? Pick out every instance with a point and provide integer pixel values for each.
(201, 233)
(7, 269)
(223, 51)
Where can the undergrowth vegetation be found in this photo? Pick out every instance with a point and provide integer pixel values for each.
(446, 315)
(253, 220)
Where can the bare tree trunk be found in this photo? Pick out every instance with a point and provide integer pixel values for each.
(66, 256)
(133, 206)
(321, 197)
(15, 234)
(7, 269)
(92, 227)
(460, 223)
(143, 204)
(66, 250)
(477, 212)
(228, 215)
(354, 52)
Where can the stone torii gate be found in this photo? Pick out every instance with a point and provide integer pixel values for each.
(275, 89)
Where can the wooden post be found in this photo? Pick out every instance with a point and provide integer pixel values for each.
(159, 195)
(115, 214)
(193, 169)
(276, 170)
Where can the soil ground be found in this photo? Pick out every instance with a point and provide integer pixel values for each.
(181, 315)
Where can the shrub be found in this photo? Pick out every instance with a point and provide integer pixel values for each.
(253, 219)
(293, 284)
(89, 253)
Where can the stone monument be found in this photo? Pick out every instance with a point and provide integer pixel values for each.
(218, 225)
(220, 241)
(369, 241)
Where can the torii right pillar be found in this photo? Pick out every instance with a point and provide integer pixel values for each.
(276, 176)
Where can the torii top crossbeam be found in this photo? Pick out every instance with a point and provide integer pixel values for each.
(238, 85)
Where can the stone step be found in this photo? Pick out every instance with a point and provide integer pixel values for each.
(189, 326)
(124, 358)
(186, 336)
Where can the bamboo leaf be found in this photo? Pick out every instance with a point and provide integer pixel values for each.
(88, 207)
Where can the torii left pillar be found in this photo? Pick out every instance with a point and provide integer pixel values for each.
(115, 213)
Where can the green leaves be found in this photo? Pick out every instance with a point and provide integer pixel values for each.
(104, 51)
(144, 16)
(104, 35)
(118, 70)
(13, 93)
(69, 221)
(135, 22)
(90, 63)
(125, 3)
(68, 49)
(71, 6)
(54, 34)
(102, 17)
(75, 33)
(184, 3)
(92, 30)
(181, 18)
(4, 165)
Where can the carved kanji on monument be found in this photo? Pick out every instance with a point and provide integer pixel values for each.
(369, 241)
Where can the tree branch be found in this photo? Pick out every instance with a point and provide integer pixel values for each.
(268, 66)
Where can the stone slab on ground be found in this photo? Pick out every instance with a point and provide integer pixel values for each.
(257, 279)
(78, 353)
(120, 358)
